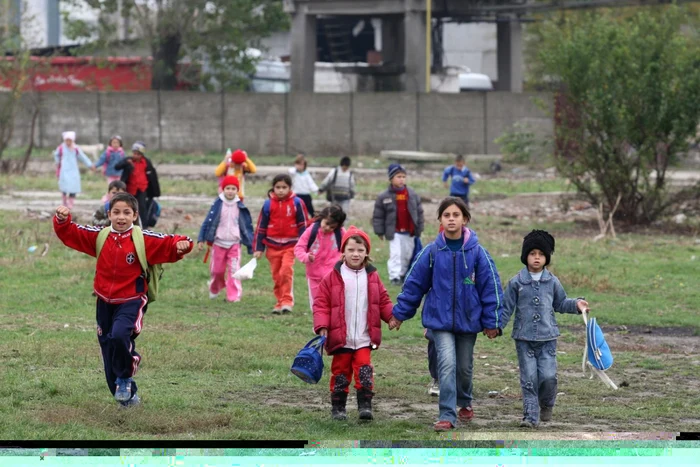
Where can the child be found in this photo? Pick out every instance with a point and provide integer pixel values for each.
(109, 159)
(533, 295)
(348, 311)
(66, 157)
(120, 285)
(303, 183)
(339, 185)
(237, 164)
(398, 216)
(319, 247)
(100, 218)
(281, 222)
(226, 227)
(141, 181)
(463, 296)
(461, 179)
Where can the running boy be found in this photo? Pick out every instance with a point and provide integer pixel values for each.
(339, 185)
(462, 179)
(349, 309)
(281, 222)
(533, 295)
(319, 247)
(120, 285)
(398, 216)
(226, 227)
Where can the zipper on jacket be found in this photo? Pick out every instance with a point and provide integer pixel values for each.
(454, 288)
(357, 301)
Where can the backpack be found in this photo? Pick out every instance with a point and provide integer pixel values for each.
(314, 234)
(596, 354)
(60, 158)
(331, 196)
(153, 272)
(308, 364)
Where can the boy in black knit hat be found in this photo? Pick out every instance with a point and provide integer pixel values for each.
(533, 295)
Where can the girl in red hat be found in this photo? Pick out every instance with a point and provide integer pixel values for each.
(349, 308)
(237, 164)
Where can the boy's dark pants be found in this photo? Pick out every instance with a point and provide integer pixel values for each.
(142, 199)
(117, 327)
(432, 355)
(309, 204)
(464, 198)
(538, 376)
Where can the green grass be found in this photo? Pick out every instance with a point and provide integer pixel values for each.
(213, 370)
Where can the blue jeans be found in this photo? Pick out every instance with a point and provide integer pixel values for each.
(538, 376)
(455, 356)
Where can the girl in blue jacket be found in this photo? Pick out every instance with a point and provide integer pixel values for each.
(463, 297)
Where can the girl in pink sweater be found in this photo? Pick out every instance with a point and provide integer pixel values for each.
(319, 246)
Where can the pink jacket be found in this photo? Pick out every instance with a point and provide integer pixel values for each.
(326, 253)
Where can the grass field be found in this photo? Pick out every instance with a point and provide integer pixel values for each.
(213, 370)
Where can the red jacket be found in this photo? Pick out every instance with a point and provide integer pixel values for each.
(329, 308)
(118, 274)
(281, 222)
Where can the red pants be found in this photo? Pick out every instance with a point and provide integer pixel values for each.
(347, 364)
(282, 269)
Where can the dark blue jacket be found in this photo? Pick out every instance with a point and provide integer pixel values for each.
(462, 289)
(458, 187)
(207, 233)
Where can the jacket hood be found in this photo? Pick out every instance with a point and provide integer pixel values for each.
(271, 194)
(470, 242)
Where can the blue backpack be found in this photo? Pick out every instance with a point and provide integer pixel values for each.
(596, 355)
(308, 364)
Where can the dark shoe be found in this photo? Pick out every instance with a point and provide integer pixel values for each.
(528, 424)
(123, 391)
(364, 404)
(443, 425)
(546, 414)
(276, 311)
(133, 402)
(286, 309)
(338, 401)
(396, 282)
(465, 414)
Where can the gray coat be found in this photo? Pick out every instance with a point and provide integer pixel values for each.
(534, 304)
(384, 218)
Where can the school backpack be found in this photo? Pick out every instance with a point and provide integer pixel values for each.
(596, 355)
(333, 196)
(314, 234)
(153, 272)
(308, 364)
(60, 158)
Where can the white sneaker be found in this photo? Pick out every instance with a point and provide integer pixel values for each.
(434, 389)
(212, 296)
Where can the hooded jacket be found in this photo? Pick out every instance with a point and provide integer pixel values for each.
(207, 233)
(281, 222)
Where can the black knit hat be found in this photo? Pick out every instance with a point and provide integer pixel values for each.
(540, 240)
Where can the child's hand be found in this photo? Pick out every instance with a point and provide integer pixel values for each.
(62, 213)
(311, 258)
(582, 306)
(491, 333)
(323, 332)
(183, 246)
(200, 246)
(394, 323)
(257, 254)
(466, 180)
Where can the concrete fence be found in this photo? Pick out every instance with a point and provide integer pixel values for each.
(268, 124)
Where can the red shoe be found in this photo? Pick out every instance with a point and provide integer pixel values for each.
(465, 414)
(443, 425)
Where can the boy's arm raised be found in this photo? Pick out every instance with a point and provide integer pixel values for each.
(78, 237)
(165, 248)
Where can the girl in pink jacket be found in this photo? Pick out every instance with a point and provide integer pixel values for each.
(319, 247)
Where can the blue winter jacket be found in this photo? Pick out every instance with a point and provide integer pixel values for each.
(458, 187)
(207, 233)
(462, 289)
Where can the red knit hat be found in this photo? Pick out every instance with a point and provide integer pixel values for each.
(351, 232)
(239, 156)
(230, 180)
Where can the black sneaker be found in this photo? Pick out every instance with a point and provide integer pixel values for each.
(546, 414)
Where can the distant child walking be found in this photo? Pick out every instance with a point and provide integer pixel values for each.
(237, 164)
(141, 181)
(339, 185)
(101, 217)
(398, 216)
(120, 284)
(463, 296)
(462, 179)
(303, 183)
(66, 157)
(319, 247)
(533, 296)
(227, 226)
(109, 158)
(349, 308)
(281, 222)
